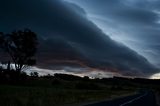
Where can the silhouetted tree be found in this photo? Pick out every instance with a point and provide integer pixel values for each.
(21, 46)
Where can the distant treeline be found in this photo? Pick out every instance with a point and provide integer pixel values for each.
(16, 78)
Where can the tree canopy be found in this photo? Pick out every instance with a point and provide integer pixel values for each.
(21, 46)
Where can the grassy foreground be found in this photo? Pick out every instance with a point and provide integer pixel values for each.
(40, 96)
(66, 90)
(33, 96)
(58, 92)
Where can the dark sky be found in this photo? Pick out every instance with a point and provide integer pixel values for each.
(134, 23)
(86, 36)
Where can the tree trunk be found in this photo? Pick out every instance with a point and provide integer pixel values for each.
(8, 65)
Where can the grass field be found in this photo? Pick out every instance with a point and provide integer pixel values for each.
(56, 95)
(66, 90)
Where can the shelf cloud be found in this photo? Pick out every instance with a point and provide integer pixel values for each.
(68, 36)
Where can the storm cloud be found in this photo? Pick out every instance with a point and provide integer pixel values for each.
(66, 33)
(134, 23)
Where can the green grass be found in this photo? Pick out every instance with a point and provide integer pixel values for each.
(50, 96)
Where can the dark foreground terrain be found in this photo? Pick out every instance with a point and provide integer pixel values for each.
(69, 90)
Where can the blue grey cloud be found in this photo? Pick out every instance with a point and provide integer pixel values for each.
(134, 23)
(66, 33)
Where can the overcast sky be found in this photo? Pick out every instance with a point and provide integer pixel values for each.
(135, 23)
(120, 36)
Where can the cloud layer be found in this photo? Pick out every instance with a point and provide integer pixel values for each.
(135, 23)
(66, 34)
